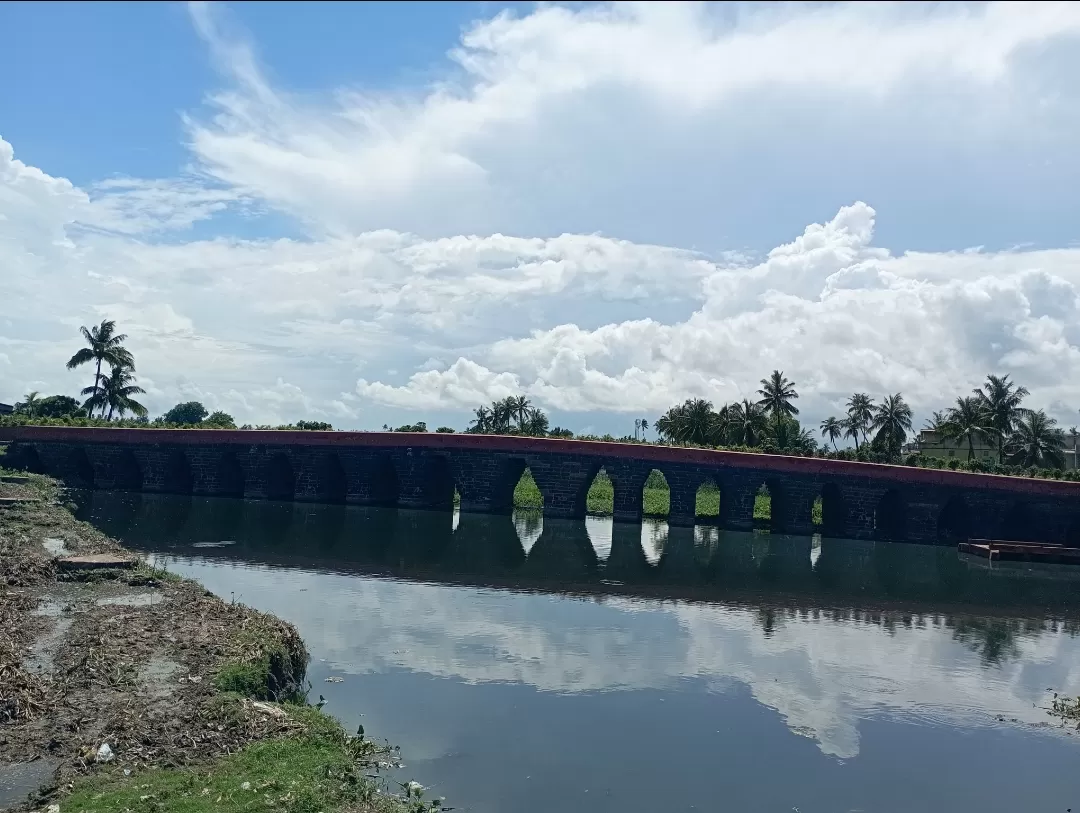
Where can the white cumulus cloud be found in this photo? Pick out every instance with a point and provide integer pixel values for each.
(601, 206)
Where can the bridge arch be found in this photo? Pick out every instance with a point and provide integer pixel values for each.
(890, 517)
(656, 495)
(504, 487)
(833, 511)
(82, 470)
(954, 521)
(280, 482)
(331, 482)
(708, 502)
(230, 479)
(25, 457)
(383, 481)
(771, 505)
(176, 475)
(580, 504)
(600, 494)
(438, 483)
(127, 472)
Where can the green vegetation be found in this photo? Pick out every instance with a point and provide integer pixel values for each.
(513, 415)
(770, 424)
(1029, 442)
(247, 679)
(112, 393)
(527, 494)
(266, 661)
(105, 346)
(187, 412)
(316, 769)
(247, 739)
(762, 506)
(419, 426)
(52, 406)
(656, 498)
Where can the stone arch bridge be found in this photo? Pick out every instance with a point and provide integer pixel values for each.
(859, 500)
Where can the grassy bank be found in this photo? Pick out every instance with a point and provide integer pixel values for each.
(656, 498)
(152, 694)
(312, 767)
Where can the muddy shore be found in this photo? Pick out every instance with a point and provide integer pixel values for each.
(116, 679)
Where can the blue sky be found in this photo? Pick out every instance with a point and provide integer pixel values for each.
(119, 75)
(387, 212)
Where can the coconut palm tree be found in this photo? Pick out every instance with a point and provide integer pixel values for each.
(520, 409)
(29, 403)
(860, 412)
(777, 393)
(748, 423)
(692, 421)
(1037, 441)
(935, 423)
(698, 424)
(536, 424)
(104, 344)
(115, 392)
(502, 412)
(665, 425)
(831, 429)
(644, 427)
(967, 420)
(482, 423)
(892, 422)
(1001, 399)
(804, 442)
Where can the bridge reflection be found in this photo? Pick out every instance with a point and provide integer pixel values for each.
(587, 557)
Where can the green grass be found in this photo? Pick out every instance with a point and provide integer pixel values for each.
(762, 507)
(269, 663)
(527, 494)
(317, 769)
(247, 679)
(656, 498)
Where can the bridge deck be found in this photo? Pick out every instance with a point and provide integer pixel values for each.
(645, 452)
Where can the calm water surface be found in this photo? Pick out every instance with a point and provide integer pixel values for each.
(528, 665)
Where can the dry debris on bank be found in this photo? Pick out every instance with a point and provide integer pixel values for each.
(132, 659)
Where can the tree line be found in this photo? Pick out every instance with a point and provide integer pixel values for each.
(515, 415)
(992, 414)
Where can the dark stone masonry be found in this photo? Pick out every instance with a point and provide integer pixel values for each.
(859, 500)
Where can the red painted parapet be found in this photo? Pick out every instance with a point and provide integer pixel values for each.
(510, 444)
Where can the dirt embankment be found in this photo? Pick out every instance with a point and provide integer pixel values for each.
(123, 670)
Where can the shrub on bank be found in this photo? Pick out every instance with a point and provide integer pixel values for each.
(266, 660)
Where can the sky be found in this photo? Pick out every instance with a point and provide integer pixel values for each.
(377, 213)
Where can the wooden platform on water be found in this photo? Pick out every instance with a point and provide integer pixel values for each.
(1004, 551)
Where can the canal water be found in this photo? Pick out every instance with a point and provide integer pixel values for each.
(534, 665)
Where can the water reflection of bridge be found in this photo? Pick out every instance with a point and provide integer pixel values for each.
(485, 549)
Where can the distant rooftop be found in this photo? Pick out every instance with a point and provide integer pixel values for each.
(6, 409)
